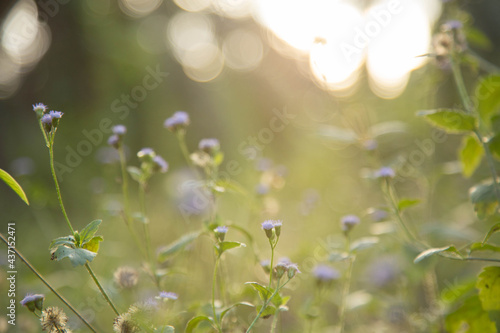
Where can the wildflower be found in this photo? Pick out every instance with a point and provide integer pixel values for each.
(166, 295)
(266, 265)
(160, 165)
(53, 319)
(325, 274)
(378, 215)
(33, 302)
(385, 172)
(268, 226)
(47, 122)
(124, 324)
(126, 277)
(209, 146)
(119, 130)
(55, 114)
(146, 154)
(220, 233)
(280, 269)
(292, 269)
(114, 141)
(348, 222)
(179, 120)
(39, 109)
(452, 25)
(277, 227)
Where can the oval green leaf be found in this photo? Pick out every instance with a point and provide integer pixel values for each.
(450, 120)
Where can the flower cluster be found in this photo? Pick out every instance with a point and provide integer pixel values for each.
(178, 121)
(272, 228)
(49, 120)
(116, 139)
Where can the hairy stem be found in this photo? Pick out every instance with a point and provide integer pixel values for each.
(214, 283)
(40, 276)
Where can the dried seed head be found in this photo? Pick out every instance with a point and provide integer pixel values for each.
(53, 319)
(126, 277)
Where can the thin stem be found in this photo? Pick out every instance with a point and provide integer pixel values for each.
(275, 321)
(347, 285)
(126, 202)
(181, 137)
(272, 262)
(214, 282)
(469, 107)
(40, 276)
(96, 281)
(58, 190)
(147, 235)
(266, 303)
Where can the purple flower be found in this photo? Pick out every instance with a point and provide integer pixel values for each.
(385, 172)
(33, 301)
(209, 145)
(284, 260)
(348, 222)
(452, 25)
(160, 164)
(114, 141)
(378, 215)
(167, 295)
(56, 114)
(292, 269)
(146, 154)
(221, 229)
(39, 108)
(119, 130)
(325, 274)
(280, 269)
(267, 225)
(179, 120)
(47, 119)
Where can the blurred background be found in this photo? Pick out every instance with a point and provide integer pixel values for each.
(300, 95)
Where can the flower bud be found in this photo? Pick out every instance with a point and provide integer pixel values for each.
(280, 269)
(33, 302)
(277, 227)
(268, 227)
(209, 146)
(40, 109)
(292, 269)
(220, 233)
(348, 222)
(178, 121)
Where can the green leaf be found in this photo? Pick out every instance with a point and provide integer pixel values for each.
(484, 199)
(488, 96)
(471, 154)
(177, 245)
(470, 318)
(488, 284)
(229, 308)
(263, 292)
(165, 329)
(14, 185)
(477, 38)
(225, 246)
(494, 145)
(449, 251)
(66, 240)
(406, 203)
(450, 120)
(135, 173)
(77, 256)
(89, 231)
(483, 247)
(194, 322)
(268, 311)
(338, 134)
(494, 229)
(93, 244)
(363, 243)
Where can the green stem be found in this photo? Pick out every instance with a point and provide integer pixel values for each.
(266, 303)
(126, 202)
(147, 235)
(214, 282)
(58, 190)
(275, 321)
(272, 262)
(469, 108)
(103, 292)
(346, 287)
(40, 276)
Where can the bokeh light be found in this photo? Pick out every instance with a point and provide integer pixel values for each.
(243, 50)
(139, 8)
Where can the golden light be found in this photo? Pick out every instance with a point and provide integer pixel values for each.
(139, 8)
(243, 50)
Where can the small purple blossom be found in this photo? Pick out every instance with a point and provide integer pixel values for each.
(39, 108)
(55, 114)
(452, 25)
(280, 269)
(178, 120)
(221, 229)
(385, 172)
(324, 273)
(379, 215)
(146, 152)
(267, 225)
(292, 269)
(160, 164)
(167, 295)
(33, 301)
(47, 119)
(119, 130)
(209, 145)
(114, 141)
(348, 222)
